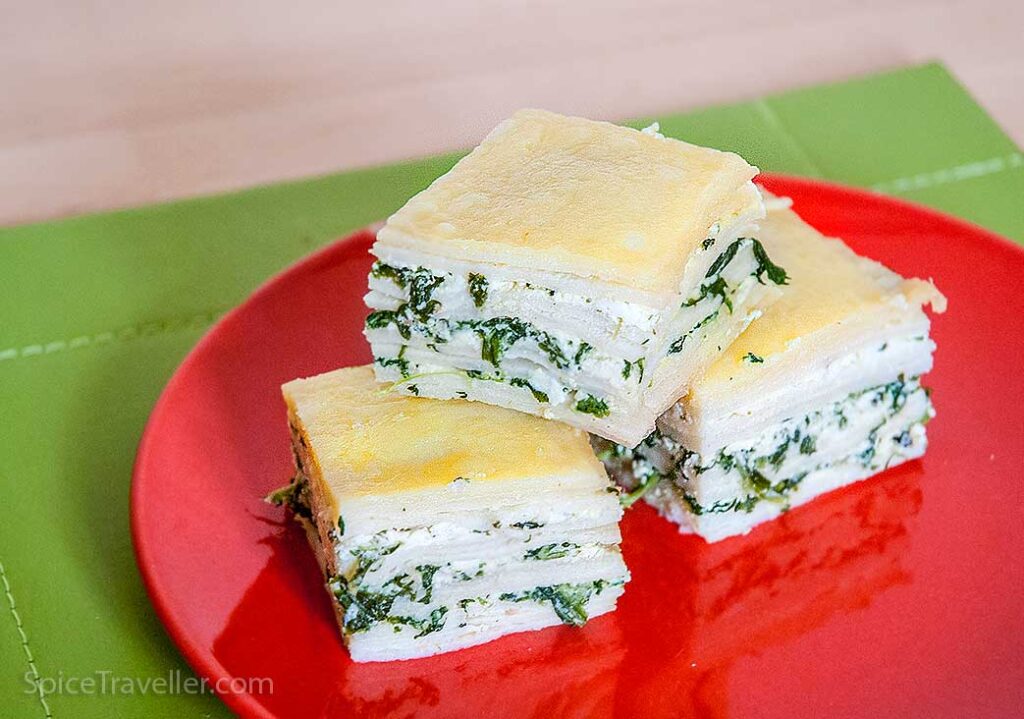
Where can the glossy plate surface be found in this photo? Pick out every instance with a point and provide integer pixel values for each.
(900, 596)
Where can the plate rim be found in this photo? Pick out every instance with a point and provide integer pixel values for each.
(198, 657)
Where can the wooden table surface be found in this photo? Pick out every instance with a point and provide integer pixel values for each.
(114, 103)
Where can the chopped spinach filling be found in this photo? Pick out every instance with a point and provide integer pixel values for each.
(478, 289)
(537, 394)
(593, 405)
(463, 576)
(765, 266)
(716, 286)
(552, 551)
(677, 344)
(498, 334)
(399, 363)
(756, 466)
(568, 600)
(647, 482)
(419, 285)
(808, 444)
(584, 349)
(527, 524)
(294, 496)
(398, 275)
(727, 256)
(364, 607)
(368, 557)
(433, 623)
(629, 368)
(514, 381)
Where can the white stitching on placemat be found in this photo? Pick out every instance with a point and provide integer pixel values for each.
(772, 118)
(24, 640)
(124, 334)
(966, 171)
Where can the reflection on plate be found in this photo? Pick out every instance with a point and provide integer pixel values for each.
(720, 602)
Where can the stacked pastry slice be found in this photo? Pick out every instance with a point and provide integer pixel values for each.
(824, 389)
(572, 269)
(441, 525)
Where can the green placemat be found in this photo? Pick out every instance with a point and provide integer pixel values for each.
(97, 311)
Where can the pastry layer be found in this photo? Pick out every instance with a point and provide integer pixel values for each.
(581, 198)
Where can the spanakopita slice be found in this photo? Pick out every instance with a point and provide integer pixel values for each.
(573, 269)
(440, 525)
(821, 391)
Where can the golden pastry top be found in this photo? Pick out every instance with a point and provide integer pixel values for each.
(369, 441)
(828, 283)
(586, 198)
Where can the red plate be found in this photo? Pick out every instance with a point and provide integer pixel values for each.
(900, 596)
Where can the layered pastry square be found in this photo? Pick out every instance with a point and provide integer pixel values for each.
(440, 525)
(572, 269)
(822, 390)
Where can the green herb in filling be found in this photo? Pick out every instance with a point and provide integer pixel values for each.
(514, 381)
(582, 352)
(677, 344)
(398, 275)
(759, 486)
(368, 557)
(465, 576)
(628, 368)
(647, 482)
(537, 394)
(420, 285)
(362, 608)
(551, 551)
(434, 623)
(766, 267)
(427, 572)
(807, 445)
(382, 318)
(718, 288)
(753, 358)
(527, 524)
(568, 600)
(399, 362)
(593, 405)
(478, 289)
(725, 258)
(498, 334)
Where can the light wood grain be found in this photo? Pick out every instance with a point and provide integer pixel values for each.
(118, 103)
